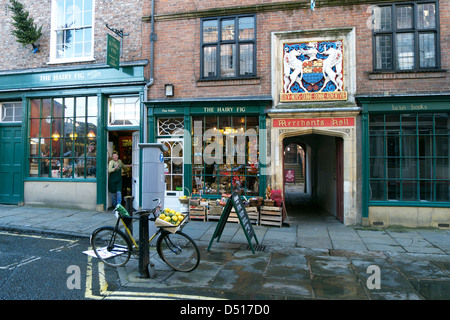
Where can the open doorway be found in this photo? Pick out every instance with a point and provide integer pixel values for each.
(313, 177)
(125, 143)
(294, 168)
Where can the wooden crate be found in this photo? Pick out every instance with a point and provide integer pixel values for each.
(214, 212)
(197, 212)
(271, 216)
(252, 213)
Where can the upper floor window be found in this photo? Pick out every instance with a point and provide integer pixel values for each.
(228, 47)
(406, 36)
(72, 30)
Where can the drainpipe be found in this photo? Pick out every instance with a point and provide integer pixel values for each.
(152, 51)
(151, 80)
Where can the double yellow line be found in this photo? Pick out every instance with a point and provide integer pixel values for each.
(127, 295)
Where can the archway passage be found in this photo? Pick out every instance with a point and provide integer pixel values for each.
(313, 177)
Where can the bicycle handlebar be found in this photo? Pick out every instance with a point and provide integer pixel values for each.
(148, 211)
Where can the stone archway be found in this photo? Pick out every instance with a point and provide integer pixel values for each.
(351, 215)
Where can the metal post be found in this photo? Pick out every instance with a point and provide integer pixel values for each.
(144, 247)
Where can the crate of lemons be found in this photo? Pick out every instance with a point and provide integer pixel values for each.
(170, 220)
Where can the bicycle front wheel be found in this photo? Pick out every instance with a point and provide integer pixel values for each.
(111, 246)
(179, 251)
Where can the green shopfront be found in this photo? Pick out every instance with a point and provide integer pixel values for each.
(57, 131)
(406, 160)
(214, 146)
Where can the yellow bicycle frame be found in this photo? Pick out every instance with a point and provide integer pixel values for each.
(131, 236)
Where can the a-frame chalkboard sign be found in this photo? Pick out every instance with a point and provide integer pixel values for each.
(236, 202)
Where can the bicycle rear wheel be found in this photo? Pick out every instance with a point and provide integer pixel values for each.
(111, 246)
(178, 250)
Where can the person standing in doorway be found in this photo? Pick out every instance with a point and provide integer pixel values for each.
(115, 167)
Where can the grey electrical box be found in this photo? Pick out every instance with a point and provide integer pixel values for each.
(153, 177)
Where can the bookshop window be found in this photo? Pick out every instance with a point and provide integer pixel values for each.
(409, 157)
(63, 137)
(225, 155)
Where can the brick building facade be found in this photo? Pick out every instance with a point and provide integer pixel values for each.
(114, 13)
(360, 87)
(393, 62)
(63, 106)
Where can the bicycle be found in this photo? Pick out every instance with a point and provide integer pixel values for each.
(114, 247)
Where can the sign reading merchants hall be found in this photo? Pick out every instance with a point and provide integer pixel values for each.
(316, 122)
(313, 71)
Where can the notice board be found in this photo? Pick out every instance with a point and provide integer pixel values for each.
(236, 202)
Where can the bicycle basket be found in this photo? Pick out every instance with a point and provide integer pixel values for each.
(169, 226)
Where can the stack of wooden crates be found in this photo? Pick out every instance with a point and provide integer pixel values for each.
(271, 216)
(214, 212)
(252, 213)
(263, 215)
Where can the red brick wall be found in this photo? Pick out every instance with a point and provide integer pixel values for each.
(177, 58)
(118, 14)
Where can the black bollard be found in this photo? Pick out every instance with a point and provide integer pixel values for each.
(144, 247)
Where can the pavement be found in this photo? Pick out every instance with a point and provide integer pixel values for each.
(313, 257)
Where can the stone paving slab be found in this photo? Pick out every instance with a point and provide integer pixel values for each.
(323, 260)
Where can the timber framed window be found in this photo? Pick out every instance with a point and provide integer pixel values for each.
(228, 47)
(406, 36)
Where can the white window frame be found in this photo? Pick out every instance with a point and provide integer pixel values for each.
(15, 118)
(123, 108)
(53, 39)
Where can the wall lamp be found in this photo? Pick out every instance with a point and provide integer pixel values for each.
(169, 90)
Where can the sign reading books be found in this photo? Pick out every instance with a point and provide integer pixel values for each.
(236, 202)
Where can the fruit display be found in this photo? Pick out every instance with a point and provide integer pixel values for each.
(183, 199)
(171, 216)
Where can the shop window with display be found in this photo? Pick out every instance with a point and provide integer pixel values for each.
(63, 137)
(225, 155)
